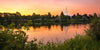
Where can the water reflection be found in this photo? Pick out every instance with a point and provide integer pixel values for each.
(55, 32)
(66, 29)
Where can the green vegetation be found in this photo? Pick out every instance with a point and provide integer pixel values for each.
(8, 18)
(94, 30)
(17, 40)
(79, 43)
(10, 39)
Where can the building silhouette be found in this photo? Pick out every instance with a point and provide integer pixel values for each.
(66, 12)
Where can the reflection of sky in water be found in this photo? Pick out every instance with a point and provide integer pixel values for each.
(55, 33)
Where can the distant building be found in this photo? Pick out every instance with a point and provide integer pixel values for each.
(66, 12)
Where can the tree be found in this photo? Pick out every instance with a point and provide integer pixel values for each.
(10, 39)
(73, 17)
(18, 14)
(94, 30)
(95, 15)
(78, 14)
(49, 14)
(62, 14)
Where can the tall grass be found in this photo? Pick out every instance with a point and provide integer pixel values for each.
(79, 43)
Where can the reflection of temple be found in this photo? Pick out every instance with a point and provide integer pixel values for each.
(65, 28)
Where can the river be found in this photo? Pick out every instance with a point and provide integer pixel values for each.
(55, 33)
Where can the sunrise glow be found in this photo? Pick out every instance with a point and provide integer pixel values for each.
(27, 7)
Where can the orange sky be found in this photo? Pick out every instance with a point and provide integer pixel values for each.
(27, 7)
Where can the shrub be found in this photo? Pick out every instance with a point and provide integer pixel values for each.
(94, 30)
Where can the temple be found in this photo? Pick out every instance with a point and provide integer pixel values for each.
(66, 12)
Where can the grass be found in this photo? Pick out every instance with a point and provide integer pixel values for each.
(79, 43)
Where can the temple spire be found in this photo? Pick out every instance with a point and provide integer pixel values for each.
(66, 12)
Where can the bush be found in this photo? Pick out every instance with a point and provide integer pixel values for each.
(79, 43)
(94, 30)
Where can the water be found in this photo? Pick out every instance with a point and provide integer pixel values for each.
(55, 33)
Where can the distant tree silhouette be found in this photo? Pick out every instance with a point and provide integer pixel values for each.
(33, 14)
(95, 15)
(78, 14)
(62, 14)
(85, 15)
(49, 14)
(7, 18)
(73, 17)
(18, 13)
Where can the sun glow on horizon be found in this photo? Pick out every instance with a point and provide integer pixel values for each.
(28, 7)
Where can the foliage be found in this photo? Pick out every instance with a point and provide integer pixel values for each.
(20, 20)
(26, 25)
(32, 45)
(62, 14)
(17, 40)
(10, 39)
(94, 30)
(79, 43)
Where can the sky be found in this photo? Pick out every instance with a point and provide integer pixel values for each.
(28, 7)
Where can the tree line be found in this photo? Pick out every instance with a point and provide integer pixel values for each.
(18, 19)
